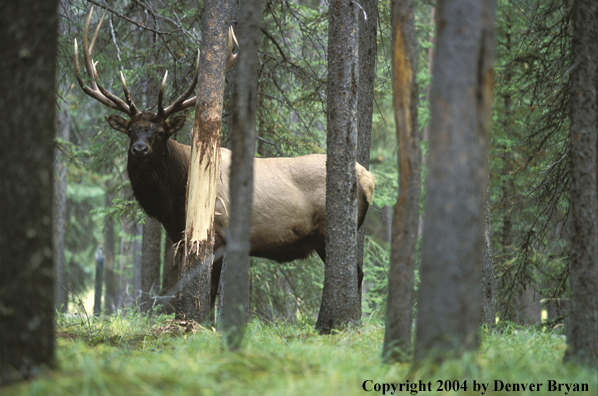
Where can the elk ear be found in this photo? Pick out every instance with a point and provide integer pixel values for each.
(175, 124)
(118, 123)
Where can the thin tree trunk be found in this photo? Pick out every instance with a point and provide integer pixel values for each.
(365, 107)
(170, 277)
(449, 310)
(150, 263)
(582, 329)
(340, 302)
(397, 337)
(59, 213)
(136, 254)
(487, 286)
(28, 47)
(99, 282)
(109, 276)
(236, 289)
(193, 300)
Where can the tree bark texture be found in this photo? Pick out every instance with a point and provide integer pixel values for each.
(99, 282)
(136, 250)
(463, 75)
(150, 263)
(399, 315)
(63, 122)
(365, 104)
(170, 276)
(339, 305)
(582, 329)
(236, 282)
(193, 300)
(487, 286)
(28, 46)
(110, 299)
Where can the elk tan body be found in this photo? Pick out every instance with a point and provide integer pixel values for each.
(289, 203)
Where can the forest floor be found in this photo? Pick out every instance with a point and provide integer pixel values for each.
(137, 355)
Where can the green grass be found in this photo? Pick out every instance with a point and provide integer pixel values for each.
(141, 356)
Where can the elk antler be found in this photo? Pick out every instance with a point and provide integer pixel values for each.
(96, 91)
(182, 102)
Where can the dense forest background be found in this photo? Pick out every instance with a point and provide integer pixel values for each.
(98, 220)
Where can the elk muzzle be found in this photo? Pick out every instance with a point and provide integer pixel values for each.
(140, 149)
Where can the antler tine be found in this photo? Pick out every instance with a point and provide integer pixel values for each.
(95, 34)
(96, 91)
(86, 54)
(132, 106)
(231, 59)
(182, 102)
(161, 96)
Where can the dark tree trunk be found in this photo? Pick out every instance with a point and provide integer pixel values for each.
(193, 300)
(487, 286)
(449, 296)
(99, 282)
(397, 337)
(340, 302)
(28, 42)
(137, 252)
(488, 299)
(150, 263)
(582, 329)
(63, 122)
(235, 290)
(109, 276)
(365, 104)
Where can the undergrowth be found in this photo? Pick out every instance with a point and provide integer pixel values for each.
(137, 355)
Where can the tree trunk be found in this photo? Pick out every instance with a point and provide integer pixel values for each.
(487, 286)
(397, 337)
(582, 329)
(340, 302)
(28, 43)
(99, 282)
(463, 75)
(150, 263)
(365, 107)
(59, 213)
(170, 277)
(109, 276)
(236, 281)
(137, 254)
(193, 300)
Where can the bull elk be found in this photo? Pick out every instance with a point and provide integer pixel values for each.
(289, 206)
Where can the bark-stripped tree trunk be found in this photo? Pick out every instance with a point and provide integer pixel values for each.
(236, 290)
(339, 305)
(463, 75)
(150, 263)
(365, 105)
(28, 43)
(582, 330)
(397, 338)
(63, 122)
(193, 300)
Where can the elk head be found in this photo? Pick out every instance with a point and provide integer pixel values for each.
(148, 131)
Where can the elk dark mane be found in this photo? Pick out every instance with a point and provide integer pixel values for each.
(160, 187)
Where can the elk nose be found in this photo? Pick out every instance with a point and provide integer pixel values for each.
(139, 149)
